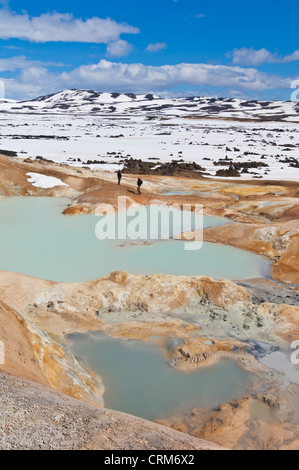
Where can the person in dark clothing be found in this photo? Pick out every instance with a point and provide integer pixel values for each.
(139, 184)
(119, 176)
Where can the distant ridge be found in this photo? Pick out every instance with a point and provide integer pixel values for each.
(99, 103)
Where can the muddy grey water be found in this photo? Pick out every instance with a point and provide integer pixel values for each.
(139, 381)
(36, 239)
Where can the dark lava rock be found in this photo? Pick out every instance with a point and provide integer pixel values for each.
(240, 165)
(8, 153)
(230, 173)
(141, 167)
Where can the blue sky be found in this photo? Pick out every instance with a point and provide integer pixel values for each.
(169, 47)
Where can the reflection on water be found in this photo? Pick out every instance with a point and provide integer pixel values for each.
(139, 381)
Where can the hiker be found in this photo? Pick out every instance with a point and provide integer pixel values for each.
(119, 176)
(139, 184)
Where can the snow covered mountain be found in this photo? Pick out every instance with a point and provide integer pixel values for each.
(152, 106)
(106, 130)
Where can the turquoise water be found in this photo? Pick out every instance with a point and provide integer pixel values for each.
(139, 381)
(36, 239)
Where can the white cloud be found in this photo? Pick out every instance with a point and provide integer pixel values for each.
(292, 57)
(119, 48)
(253, 57)
(142, 78)
(13, 63)
(21, 62)
(61, 28)
(35, 79)
(158, 46)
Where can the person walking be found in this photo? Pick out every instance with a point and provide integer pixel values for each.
(119, 176)
(139, 184)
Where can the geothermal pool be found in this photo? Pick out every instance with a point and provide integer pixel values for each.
(139, 381)
(36, 239)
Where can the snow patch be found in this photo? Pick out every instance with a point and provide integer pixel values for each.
(43, 181)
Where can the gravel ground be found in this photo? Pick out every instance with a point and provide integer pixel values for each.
(33, 417)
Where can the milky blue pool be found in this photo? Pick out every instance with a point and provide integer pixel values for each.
(36, 239)
(139, 381)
